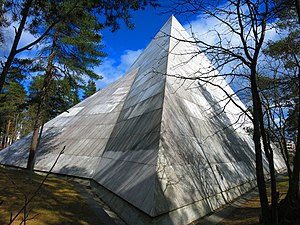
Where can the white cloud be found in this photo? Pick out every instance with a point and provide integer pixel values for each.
(8, 40)
(203, 28)
(9, 34)
(206, 29)
(110, 70)
(26, 38)
(129, 57)
(273, 34)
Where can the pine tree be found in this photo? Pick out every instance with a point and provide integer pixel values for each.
(11, 108)
(283, 94)
(28, 14)
(90, 89)
(72, 48)
(60, 97)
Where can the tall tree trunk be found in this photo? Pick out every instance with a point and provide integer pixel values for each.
(261, 183)
(7, 132)
(287, 160)
(294, 187)
(49, 75)
(14, 46)
(14, 128)
(3, 141)
(2, 133)
(292, 195)
(12, 134)
(269, 154)
(297, 4)
(274, 195)
(34, 140)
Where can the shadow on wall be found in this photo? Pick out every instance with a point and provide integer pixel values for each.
(215, 171)
(236, 148)
(17, 153)
(191, 168)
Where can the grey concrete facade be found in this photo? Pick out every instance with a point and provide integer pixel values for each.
(162, 150)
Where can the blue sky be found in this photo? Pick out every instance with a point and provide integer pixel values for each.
(122, 46)
(125, 45)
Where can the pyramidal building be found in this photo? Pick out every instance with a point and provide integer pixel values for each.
(159, 149)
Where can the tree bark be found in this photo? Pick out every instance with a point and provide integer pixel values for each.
(7, 132)
(287, 160)
(274, 195)
(49, 75)
(258, 152)
(14, 128)
(297, 3)
(269, 154)
(293, 190)
(292, 195)
(14, 46)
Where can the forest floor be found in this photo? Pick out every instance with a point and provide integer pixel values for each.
(60, 201)
(56, 202)
(248, 213)
(245, 210)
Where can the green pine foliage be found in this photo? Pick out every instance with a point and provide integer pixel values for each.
(286, 53)
(90, 89)
(60, 97)
(75, 41)
(44, 18)
(12, 105)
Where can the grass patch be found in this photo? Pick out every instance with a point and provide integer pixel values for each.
(57, 202)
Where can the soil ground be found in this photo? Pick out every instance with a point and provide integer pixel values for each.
(245, 210)
(56, 202)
